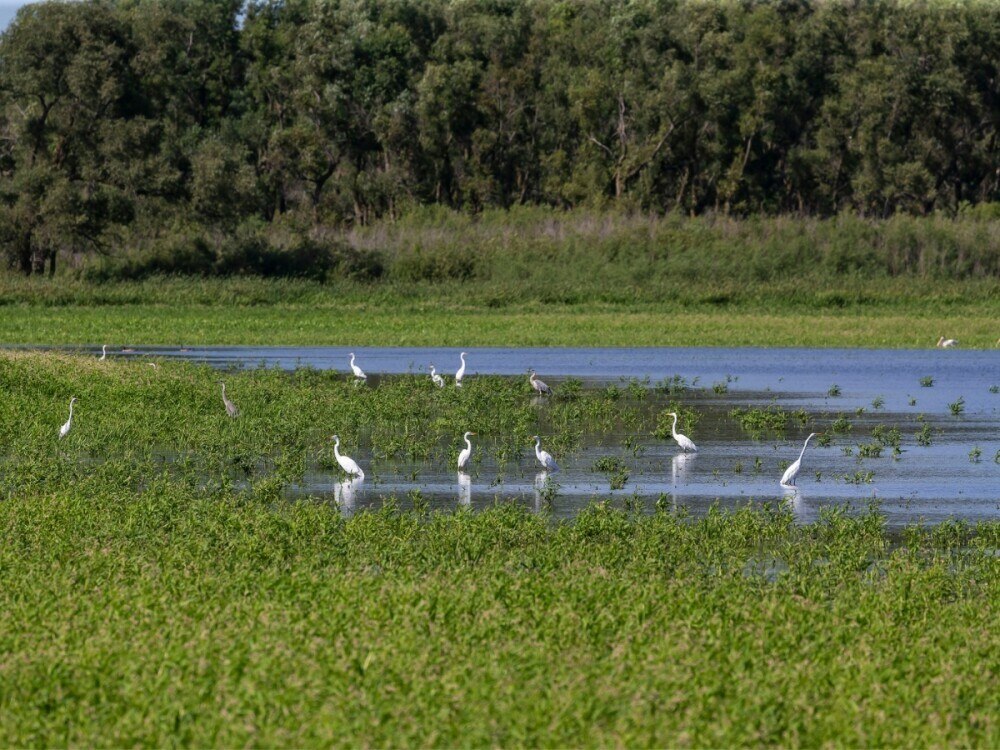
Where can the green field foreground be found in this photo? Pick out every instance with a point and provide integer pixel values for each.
(173, 617)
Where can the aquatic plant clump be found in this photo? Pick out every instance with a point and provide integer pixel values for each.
(170, 615)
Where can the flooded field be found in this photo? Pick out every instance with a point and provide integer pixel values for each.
(916, 431)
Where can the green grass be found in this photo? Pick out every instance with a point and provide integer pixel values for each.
(149, 602)
(901, 313)
(540, 277)
(169, 616)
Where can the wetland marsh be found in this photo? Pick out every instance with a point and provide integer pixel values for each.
(173, 575)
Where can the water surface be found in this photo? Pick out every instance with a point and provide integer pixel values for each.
(946, 479)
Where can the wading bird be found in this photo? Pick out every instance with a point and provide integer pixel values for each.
(358, 372)
(788, 478)
(682, 440)
(348, 464)
(461, 371)
(544, 457)
(538, 385)
(944, 343)
(463, 457)
(438, 380)
(104, 353)
(69, 422)
(231, 409)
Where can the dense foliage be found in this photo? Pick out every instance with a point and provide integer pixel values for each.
(220, 132)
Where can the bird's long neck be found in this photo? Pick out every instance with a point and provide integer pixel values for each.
(673, 427)
(468, 443)
(352, 360)
(71, 411)
(803, 451)
(538, 449)
(336, 449)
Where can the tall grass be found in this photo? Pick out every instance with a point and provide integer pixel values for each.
(531, 243)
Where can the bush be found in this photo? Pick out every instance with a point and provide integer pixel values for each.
(247, 252)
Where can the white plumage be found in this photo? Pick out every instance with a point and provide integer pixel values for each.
(69, 422)
(348, 464)
(682, 440)
(461, 371)
(944, 343)
(463, 457)
(104, 353)
(358, 372)
(438, 380)
(788, 478)
(544, 457)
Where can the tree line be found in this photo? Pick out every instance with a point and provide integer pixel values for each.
(127, 123)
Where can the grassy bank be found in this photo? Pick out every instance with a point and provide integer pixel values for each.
(541, 278)
(901, 313)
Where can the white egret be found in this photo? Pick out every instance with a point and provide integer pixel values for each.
(682, 440)
(463, 457)
(461, 371)
(69, 422)
(788, 478)
(538, 385)
(544, 457)
(348, 464)
(438, 380)
(358, 372)
(231, 409)
(944, 343)
(104, 353)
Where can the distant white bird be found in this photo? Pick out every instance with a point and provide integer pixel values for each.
(358, 372)
(461, 371)
(104, 353)
(231, 409)
(538, 385)
(463, 457)
(944, 343)
(544, 457)
(438, 380)
(788, 478)
(69, 422)
(348, 464)
(682, 440)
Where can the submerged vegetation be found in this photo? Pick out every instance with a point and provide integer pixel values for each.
(157, 587)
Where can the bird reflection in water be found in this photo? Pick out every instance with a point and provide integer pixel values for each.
(345, 493)
(464, 489)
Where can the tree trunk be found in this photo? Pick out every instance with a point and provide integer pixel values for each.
(24, 254)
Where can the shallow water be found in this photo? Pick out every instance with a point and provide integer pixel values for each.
(924, 483)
